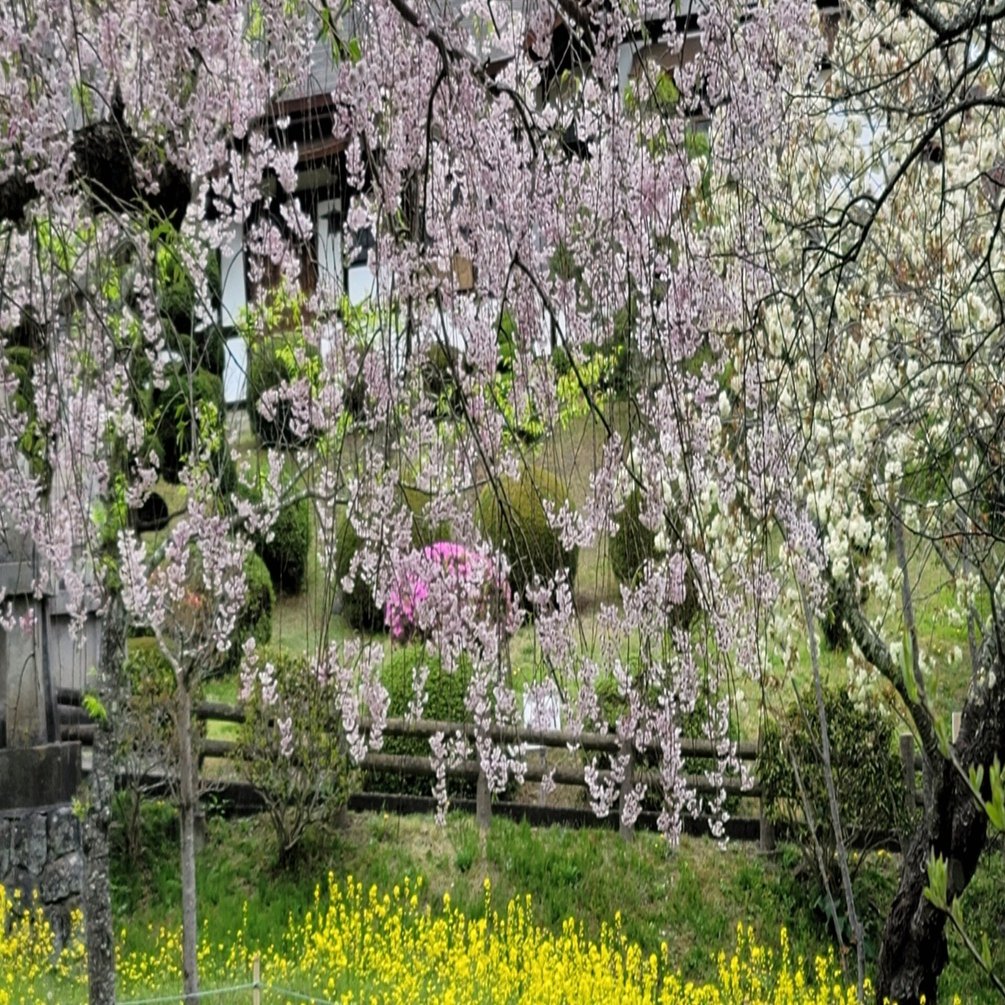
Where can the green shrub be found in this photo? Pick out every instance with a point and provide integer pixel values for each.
(424, 531)
(205, 349)
(694, 725)
(358, 606)
(633, 544)
(271, 362)
(145, 730)
(175, 407)
(439, 371)
(255, 618)
(515, 522)
(305, 777)
(868, 779)
(287, 553)
(445, 702)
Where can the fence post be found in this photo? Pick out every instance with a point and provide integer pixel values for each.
(256, 980)
(907, 764)
(626, 830)
(766, 831)
(483, 801)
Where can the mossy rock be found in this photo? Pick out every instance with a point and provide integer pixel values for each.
(514, 521)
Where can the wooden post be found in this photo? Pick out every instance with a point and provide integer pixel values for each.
(483, 802)
(256, 980)
(626, 830)
(907, 765)
(766, 836)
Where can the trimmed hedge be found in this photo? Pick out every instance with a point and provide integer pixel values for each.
(271, 362)
(633, 544)
(867, 774)
(255, 618)
(358, 606)
(174, 406)
(515, 522)
(287, 553)
(445, 702)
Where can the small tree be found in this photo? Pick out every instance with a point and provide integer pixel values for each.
(291, 745)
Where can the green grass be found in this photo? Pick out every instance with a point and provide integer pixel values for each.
(690, 898)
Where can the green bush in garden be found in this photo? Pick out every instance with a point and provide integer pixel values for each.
(255, 618)
(445, 702)
(271, 363)
(290, 747)
(176, 406)
(358, 606)
(287, 552)
(868, 778)
(633, 543)
(512, 516)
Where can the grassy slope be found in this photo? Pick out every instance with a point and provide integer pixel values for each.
(691, 898)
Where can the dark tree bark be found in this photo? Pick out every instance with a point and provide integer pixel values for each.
(914, 951)
(188, 804)
(98, 922)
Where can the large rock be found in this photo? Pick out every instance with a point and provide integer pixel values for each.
(43, 775)
(30, 849)
(5, 829)
(62, 878)
(64, 832)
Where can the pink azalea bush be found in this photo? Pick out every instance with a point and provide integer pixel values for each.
(445, 587)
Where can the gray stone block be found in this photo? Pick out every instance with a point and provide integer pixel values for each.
(64, 832)
(5, 830)
(62, 878)
(30, 847)
(44, 775)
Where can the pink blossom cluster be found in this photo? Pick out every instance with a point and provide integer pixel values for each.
(446, 584)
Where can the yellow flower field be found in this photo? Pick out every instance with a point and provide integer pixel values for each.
(364, 945)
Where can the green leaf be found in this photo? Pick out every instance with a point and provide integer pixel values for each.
(94, 708)
(976, 778)
(943, 733)
(935, 892)
(985, 951)
(355, 51)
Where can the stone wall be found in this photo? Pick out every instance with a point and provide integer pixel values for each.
(40, 854)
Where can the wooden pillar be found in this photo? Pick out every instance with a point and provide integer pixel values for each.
(483, 802)
(766, 836)
(626, 830)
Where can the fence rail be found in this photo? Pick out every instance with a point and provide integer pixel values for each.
(75, 724)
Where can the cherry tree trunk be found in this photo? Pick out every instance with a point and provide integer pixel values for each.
(187, 806)
(914, 952)
(99, 929)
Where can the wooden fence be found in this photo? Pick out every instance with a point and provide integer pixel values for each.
(76, 725)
